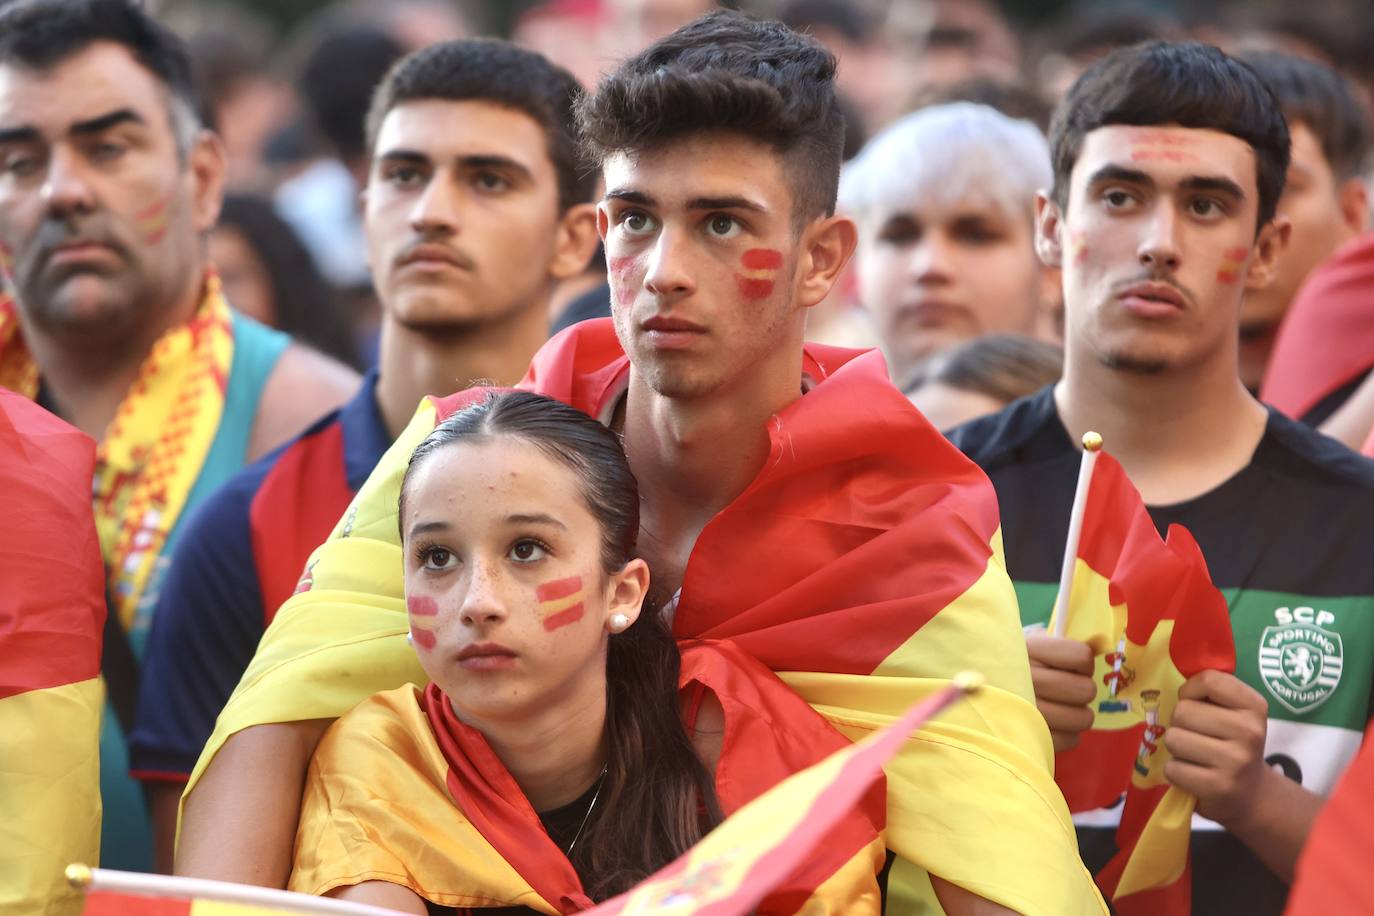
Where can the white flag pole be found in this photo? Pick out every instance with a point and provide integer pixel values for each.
(1092, 444)
(104, 879)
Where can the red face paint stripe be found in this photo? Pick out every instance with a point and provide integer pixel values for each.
(564, 618)
(761, 259)
(1225, 276)
(559, 588)
(424, 639)
(1235, 254)
(153, 209)
(420, 606)
(755, 289)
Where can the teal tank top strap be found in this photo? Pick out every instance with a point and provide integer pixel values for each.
(256, 351)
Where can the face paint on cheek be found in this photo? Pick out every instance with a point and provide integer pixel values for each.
(560, 602)
(152, 221)
(1232, 260)
(622, 278)
(423, 608)
(759, 274)
(1078, 246)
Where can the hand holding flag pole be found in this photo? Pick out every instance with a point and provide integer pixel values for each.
(1092, 444)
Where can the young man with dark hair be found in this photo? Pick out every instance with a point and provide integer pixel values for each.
(792, 500)
(1169, 165)
(1325, 197)
(463, 134)
(111, 317)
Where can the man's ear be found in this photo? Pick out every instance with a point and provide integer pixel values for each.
(1269, 248)
(206, 164)
(575, 242)
(1353, 197)
(1049, 229)
(827, 245)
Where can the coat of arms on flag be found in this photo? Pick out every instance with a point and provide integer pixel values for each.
(1149, 608)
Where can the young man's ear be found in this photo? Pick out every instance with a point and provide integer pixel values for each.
(826, 247)
(1269, 248)
(1354, 202)
(1049, 230)
(575, 243)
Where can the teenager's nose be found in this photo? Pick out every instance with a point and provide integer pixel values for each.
(668, 275)
(484, 603)
(437, 209)
(67, 188)
(1159, 248)
(932, 259)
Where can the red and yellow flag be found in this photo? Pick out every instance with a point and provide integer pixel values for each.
(52, 612)
(740, 863)
(890, 580)
(1149, 608)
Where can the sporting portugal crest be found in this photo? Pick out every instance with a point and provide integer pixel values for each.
(1300, 661)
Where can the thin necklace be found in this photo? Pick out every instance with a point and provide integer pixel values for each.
(600, 781)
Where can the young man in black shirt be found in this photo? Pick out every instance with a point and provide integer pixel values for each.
(1169, 161)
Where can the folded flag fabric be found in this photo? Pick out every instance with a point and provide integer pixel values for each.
(758, 847)
(862, 565)
(52, 611)
(1333, 315)
(122, 893)
(1149, 608)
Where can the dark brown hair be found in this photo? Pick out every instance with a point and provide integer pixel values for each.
(1187, 84)
(1002, 366)
(1316, 95)
(658, 798)
(727, 72)
(498, 72)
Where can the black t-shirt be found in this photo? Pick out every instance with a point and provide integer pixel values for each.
(1289, 540)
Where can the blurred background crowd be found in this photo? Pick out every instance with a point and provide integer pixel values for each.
(286, 83)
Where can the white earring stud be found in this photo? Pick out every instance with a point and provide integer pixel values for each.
(619, 623)
(410, 638)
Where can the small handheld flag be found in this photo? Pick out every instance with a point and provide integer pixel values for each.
(735, 867)
(121, 893)
(1092, 444)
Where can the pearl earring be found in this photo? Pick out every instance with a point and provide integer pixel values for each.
(410, 638)
(619, 623)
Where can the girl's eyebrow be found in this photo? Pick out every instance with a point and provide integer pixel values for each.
(536, 518)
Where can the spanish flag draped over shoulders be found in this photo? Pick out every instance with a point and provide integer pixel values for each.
(52, 611)
(402, 791)
(1150, 610)
(863, 565)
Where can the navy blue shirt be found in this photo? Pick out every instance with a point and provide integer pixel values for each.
(237, 561)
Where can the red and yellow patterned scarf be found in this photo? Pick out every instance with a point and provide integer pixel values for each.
(153, 450)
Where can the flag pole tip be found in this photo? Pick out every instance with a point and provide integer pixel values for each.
(970, 681)
(78, 875)
(1092, 441)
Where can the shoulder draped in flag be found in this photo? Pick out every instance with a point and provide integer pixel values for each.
(863, 565)
(1332, 314)
(52, 611)
(400, 773)
(1149, 609)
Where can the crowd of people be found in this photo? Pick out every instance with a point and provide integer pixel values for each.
(459, 477)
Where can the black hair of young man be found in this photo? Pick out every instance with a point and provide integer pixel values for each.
(337, 81)
(1314, 94)
(489, 70)
(40, 34)
(1184, 84)
(728, 73)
